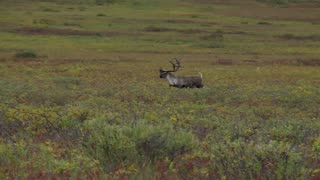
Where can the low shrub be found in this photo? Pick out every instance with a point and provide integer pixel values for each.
(282, 3)
(264, 23)
(26, 54)
(100, 15)
(50, 10)
(289, 36)
(40, 161)
(114, 145)
(157, 29)
(160, 142)
(309, 62)
(216, 39)
(102, 2)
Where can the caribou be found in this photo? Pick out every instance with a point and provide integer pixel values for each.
(181, 81)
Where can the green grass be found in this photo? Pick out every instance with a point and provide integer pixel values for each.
(124, 27)
(91, 103)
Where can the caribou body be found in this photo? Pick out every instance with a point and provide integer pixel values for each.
(181, 81)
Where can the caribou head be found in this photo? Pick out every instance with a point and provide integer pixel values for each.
(181, 81)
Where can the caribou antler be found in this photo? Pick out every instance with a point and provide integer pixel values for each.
(176, 66)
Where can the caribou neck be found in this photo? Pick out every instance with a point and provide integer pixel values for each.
(171, 78)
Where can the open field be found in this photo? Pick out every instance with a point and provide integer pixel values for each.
(80, 94)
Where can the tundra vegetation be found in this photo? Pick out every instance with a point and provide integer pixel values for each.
(80, 94)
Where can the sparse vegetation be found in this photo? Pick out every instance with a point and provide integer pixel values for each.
(282, 3)
(309, 62)
(264, 23)
(299, 38)
(100, 15)
(285, 3)
(216, 38)
(102, 2)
